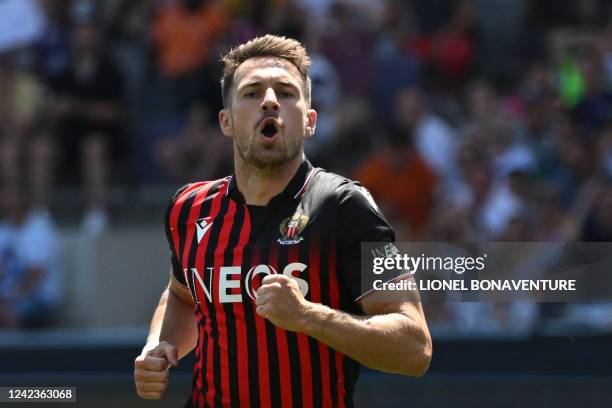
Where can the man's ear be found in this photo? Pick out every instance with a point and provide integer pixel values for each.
(225, 122)
(311, 117)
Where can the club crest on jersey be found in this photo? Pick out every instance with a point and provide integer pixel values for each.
(291, 228)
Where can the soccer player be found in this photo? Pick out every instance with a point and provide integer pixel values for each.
(297, 336)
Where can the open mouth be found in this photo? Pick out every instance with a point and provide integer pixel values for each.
(270, 129)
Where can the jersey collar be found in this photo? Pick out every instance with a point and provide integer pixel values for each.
(294, 189)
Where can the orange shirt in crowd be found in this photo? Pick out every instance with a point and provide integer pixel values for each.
(403, 184)
(185, 39)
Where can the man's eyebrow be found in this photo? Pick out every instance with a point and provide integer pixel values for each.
(256, 83)
(289, 84)
(250, 84)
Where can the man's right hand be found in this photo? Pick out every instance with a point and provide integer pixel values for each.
(151, 370)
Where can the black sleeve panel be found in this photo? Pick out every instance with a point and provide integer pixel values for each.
(358, 220)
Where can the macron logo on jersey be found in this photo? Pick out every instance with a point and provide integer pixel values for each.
(202, 226)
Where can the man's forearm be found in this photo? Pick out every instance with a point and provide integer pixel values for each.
(174, 322)
(388, 342)
(156, 322)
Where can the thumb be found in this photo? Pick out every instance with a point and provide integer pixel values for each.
(167, 351)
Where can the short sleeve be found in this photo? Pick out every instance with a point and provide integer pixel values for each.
(176, 269)
(359, 220)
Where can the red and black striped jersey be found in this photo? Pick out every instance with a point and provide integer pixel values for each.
(222, 248)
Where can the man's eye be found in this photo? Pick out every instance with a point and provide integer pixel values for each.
(286, 94)
(251, 94)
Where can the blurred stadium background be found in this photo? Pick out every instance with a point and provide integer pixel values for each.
(467, 119)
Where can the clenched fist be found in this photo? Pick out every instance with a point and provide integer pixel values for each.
(151, 370)
(280, 300)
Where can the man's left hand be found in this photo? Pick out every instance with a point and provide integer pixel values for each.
(280, 300)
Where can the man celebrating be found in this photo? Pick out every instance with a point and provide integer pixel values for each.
(297, 336)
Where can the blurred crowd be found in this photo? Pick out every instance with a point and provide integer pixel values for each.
(468, 120)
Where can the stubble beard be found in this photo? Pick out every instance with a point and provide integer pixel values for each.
(266, 159)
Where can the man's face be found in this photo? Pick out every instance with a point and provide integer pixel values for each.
(269, 116)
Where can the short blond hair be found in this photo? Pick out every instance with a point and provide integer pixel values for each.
(266, 46)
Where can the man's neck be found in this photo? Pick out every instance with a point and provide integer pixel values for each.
(258, 186)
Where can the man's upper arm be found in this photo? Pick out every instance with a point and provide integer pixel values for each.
(176, 269)
(180, 291)
(382, 302)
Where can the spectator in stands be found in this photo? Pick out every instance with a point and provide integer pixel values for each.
(395, 67)
(598, 225)
(325, 99)
(498, 26)
(402, 182)
(574, 162)
(353, 140)
(433, 138)
(483, 105)
(24, 147)
(128, 35)
(285, 18)
(184, 33)
(535, 108)
(30, 274)
(490, 203)
(89, 121)
(184, 36)
(489, 126)
(349, 45)
(594, 110)
(198, 152)
(445, 31)
(53, 47)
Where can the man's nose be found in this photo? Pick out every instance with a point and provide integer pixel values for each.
(270, 102)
